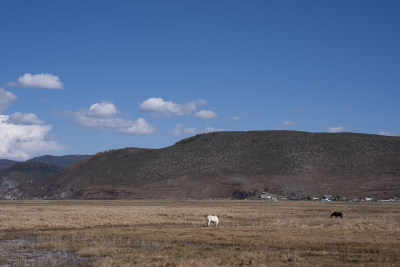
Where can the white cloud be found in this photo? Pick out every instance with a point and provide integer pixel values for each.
(286, 124)
(104, 116)
(235, 118)
(42, 81)
(385, 133)
(209, 129)
(179, 130)
(24, 141)
(336, 129)
(206, 114)
(167, 108)
(24, 119)
(104, 109)
(6, 99)
(140, 126)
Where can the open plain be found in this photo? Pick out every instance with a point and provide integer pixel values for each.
(174, 233)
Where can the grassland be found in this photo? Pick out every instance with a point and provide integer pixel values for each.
(174, 233)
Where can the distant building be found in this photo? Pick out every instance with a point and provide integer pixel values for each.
(265, 195)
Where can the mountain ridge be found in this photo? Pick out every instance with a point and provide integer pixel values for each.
(216, 165)
(61, 161)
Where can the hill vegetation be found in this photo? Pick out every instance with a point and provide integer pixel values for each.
(26, 179)
(5, 163)
(231, 164)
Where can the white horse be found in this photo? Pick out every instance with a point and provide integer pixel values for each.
(212, 219)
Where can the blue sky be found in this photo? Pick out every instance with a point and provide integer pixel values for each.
(80, 77)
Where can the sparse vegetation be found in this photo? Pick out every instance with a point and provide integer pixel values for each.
(26, 179)
(173, 233)
(214, 165)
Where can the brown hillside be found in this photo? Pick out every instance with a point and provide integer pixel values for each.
(227, 164)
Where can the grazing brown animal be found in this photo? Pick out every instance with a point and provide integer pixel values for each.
(337, 214)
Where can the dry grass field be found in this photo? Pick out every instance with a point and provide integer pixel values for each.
(174, 233)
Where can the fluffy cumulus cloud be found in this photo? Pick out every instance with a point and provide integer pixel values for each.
(24, 136)
(159, 107)
(140, 126)
(42, 81)
(336, 129)
(6, 99)
(103, 109)
(105, 116)
(206, 114)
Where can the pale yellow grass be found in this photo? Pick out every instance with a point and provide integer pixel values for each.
(173, 233)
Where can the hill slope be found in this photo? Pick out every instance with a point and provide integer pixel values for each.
(219, 164)
(6, 163)
(26, 179)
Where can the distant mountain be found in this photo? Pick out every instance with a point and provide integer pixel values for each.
(6, 163)
(241, 164)
(60, 161)
(26, 179)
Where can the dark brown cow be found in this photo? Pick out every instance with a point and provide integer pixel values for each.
(337, 214)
